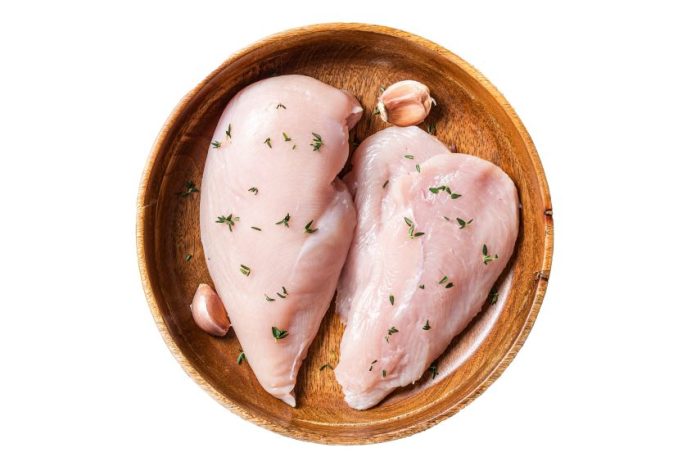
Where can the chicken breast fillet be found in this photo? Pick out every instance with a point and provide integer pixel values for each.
(437, 238)
(275, 222)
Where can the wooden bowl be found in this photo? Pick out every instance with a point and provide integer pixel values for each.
(471, 115)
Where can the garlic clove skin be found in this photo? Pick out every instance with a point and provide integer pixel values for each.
(208, 311)
(405, 103)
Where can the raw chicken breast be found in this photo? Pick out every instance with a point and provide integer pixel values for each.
(276, 224)
(428, 274)
(377, 162)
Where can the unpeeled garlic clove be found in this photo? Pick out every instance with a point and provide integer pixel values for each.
(405, 103)
(209, 312)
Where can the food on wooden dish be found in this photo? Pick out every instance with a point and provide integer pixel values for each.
(435, 230)
(276, 223)
(208, 311)
(405, 103)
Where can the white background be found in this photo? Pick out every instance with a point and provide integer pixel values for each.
(607, 93)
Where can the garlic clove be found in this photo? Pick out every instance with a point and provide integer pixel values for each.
(208, 311)
(405, 103)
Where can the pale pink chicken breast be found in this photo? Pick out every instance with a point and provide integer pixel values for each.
(275, 222)
(427, 275)
(377, 162)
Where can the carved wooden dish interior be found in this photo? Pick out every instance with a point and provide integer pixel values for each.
(470, 114)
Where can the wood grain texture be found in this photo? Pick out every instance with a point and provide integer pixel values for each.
(471, 115)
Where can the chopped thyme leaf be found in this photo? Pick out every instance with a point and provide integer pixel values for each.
(316, 142)
(390, 332)
(268, 298)
(284, 221)
(279, 334)
(216, 144)
(487, 258)
(244, 269)
(280, 106)
(433, 369)
(493, 296)
(283, 294)
(408, 156)
(308, 228)
(241, 358)
(445, 188)
(427, 325)
(385, 184)
(391, 299)
(228, 133)
(445, 281)
(256, 228)
(412, 229)
(431, 128)
(421, 286)
(384, 373)
(189, 189)
(268, 142)
(254, 190)
(286, 137)
(446, 218)
(375, 111)
(372, 364)
(188, 257)
(418, 167)
(229, 220)
(325, 366)
(463, 223)
(294, 146)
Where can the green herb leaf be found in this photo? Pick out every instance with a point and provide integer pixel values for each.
(391, 299)
(241, 358)
(486, 257)
(384, 373)
(268, 142)
(308, 228)
(216, 144)
(189, 189)
(375, 111)
(427, 325)
(254, 190)
(244, 269)
(390, 332)
(455, 195)
(268, 298)
(256, 228)
(418, 167)
(421, 286)
(229, 220)
(286, 137)
(284, 221)
(280, 106)
(188, 257)
(431, 128)
(316, 142)
(463, 223)
(294, 146)
(446, 218)
(408, 156)
(372, 364)
(325, 366)
(229, 131)
(493, 296)
(449, 285)
(385, 184)
(433, 370)
(284, 293)
(442, 280)
(279, 334)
